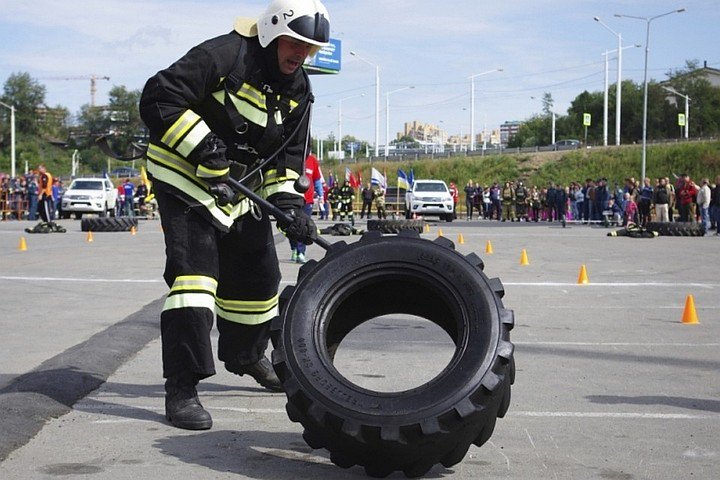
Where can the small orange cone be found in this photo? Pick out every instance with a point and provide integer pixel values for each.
(583, 277)
(689, 314)
(133, 230)
(440, 234)
(427, 228)
(89, 236)
(23, 244)
(524, 258)
(461, 240)
(488, 248)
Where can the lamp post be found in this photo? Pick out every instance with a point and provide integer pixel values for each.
(647, 21)
(618, 94)
(12, 137)
(687, 108)
(340, 147)
(387, 116)
(377, 101)
(605, 99)
(472, 104)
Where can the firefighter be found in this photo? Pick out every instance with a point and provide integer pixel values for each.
(335, 201)
(238, 105)
(508, 202)
(379, 196)
(347, 197)
(521, 201)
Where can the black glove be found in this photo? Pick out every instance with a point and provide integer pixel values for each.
(212, 164)
(300, 228)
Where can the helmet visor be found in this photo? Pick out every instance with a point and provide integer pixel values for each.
(316, 29)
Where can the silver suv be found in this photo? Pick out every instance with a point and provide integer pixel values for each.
(89, 195)
(429, 197)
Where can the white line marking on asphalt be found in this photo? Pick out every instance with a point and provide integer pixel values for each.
(625, 415)
(91, 280)
(611, 284)
(525, 414)
(619, 344)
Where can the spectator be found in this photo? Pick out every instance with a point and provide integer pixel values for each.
(521, 202)
(686, 192)
(535, 203)
(550, 202)
(379, 195)
(485, 202)
(57, 193)
(703, 202)
(455, 195)
(616, 212)
(141, 194)
(601, 199)
(630, 210)
(561, 199)
(33, 192)
(579, 201)
(715, 205)
(469, 199)
(367, 199)
(589, 191)
(645, 197)
(128, 189)
(478, 199)
(315, 176)
(495, 201)
(661, 199)
(671, 199)
(325, 210)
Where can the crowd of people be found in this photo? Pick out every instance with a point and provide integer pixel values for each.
(33, 195)
(658, 200)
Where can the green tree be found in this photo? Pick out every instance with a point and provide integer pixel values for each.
(704, 101)
(27, 95)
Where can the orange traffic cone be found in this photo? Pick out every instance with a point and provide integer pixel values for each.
(583, 277)
(440, 234)
(524, 258)
(488, 248)
(133, 230)
(23, 244)
(427, 228)
(689, 314)
(461, 240)
(89, 236)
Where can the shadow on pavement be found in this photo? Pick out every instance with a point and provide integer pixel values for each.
(681, 402)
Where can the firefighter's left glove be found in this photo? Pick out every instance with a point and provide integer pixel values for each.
(212, 163)
(298, 227)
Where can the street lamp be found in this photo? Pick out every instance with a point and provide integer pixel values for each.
(687, 108)
(618, 94)
(340, 147)
(12, 137)
(647, 21)
(472, 104)
(377, 101)
(387, 116)
(605, 99)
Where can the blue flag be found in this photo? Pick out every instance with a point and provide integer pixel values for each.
(403, 180)
(411, 178)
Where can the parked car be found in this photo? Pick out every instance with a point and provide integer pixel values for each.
(569, 144)
(429, 197)
(89, 195)
(122, 172)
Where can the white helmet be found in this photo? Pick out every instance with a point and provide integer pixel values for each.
(305, 20)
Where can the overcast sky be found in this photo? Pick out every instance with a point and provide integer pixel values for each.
(542, 46)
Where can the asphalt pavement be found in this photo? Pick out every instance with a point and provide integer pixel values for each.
(610, 383)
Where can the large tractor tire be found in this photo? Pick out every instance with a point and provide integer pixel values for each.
(108, 224)
(677, 229)
(408, 431)
(395, 226)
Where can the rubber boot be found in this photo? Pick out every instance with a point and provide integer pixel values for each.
(261, 371)
(182, 406)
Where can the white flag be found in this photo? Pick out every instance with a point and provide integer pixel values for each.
(377, 178)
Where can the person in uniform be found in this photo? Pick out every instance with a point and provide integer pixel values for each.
(239, 105)
(521, 201)
(379, 196)
(347, 197)
(508, 202)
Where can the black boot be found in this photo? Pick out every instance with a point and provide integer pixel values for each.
(182, 406)
(261, 371)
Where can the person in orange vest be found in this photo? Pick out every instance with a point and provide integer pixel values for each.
(46, 207)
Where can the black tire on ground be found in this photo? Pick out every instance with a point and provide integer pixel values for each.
(415, 429)
(108, 224)
(395, 226)
(677, 229)
(78, 215)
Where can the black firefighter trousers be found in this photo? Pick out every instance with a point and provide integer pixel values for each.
(234, 273)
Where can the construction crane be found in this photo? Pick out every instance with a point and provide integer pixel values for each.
(93, 83)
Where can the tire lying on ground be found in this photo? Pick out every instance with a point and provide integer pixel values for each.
(108, 224)
(395, 226)
(677, 229)
(412, 430)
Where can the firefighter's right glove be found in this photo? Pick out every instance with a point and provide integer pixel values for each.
(209, 156)
(299, 227)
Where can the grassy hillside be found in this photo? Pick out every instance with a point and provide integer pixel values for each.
(699, 159)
